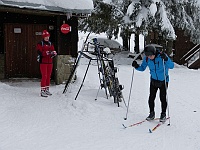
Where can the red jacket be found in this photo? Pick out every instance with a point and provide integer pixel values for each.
(44, 48)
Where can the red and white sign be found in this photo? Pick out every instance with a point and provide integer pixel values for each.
(65, 28)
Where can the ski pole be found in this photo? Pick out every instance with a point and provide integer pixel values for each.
(129, 95)
(97, 92)
(166, 91)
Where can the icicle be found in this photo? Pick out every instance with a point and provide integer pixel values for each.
(69, 15)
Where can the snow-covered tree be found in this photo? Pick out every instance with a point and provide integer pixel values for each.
(104, 18)
(107, 17)
(184, 14)
(144, 16)
(163, 17)
(151, 15)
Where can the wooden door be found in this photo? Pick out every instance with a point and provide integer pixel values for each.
(21, 54)
(34, 33)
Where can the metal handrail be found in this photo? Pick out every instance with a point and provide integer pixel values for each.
(194, 54)
(189, 52)
(191, 55)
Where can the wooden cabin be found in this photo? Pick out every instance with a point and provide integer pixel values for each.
(21, 26)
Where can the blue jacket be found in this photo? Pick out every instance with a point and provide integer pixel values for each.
(156, 67)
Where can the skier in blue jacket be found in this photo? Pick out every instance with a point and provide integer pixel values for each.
(154, 60)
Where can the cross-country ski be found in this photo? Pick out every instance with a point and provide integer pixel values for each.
(138, 123)
(157, 126)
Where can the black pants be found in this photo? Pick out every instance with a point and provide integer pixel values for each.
(154, 86)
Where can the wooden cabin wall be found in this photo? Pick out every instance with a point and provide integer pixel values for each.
(182, 45)
(65, 44)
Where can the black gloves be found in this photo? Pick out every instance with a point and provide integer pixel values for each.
(135, 64)
(163, 56)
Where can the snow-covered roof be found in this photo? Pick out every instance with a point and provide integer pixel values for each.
(68, 6)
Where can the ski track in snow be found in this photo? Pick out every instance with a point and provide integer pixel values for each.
(29, 122)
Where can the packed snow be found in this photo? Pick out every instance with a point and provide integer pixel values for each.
(30, 122)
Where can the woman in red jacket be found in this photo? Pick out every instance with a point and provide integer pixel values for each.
(46, 52)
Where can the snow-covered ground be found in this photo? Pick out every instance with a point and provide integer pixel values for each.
(30, 122)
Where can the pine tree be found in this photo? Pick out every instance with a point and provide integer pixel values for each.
(163, 16)
(144, 16)
(104, 18)
(147, 16)
(108, 18)
(185, 16)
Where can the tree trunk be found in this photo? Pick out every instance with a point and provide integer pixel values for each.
(137, 45)
(125, 42)
(137, 48)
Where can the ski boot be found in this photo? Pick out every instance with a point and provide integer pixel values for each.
(47, 92)
(163, 117)
(43, 94)
(151, 116)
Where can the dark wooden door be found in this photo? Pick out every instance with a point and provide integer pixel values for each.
(20, 45)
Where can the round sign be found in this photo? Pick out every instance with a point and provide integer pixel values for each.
(65, 28)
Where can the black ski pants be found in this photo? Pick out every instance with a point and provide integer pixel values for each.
(153, 90)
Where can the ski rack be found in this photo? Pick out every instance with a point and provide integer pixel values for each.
(106, 72)
(75, 65)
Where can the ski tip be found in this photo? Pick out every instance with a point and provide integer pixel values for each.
(150, 131)
(124, 126)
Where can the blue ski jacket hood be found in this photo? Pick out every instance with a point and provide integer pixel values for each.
(156, 67)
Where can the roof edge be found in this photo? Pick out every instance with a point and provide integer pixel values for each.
(43, 7)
